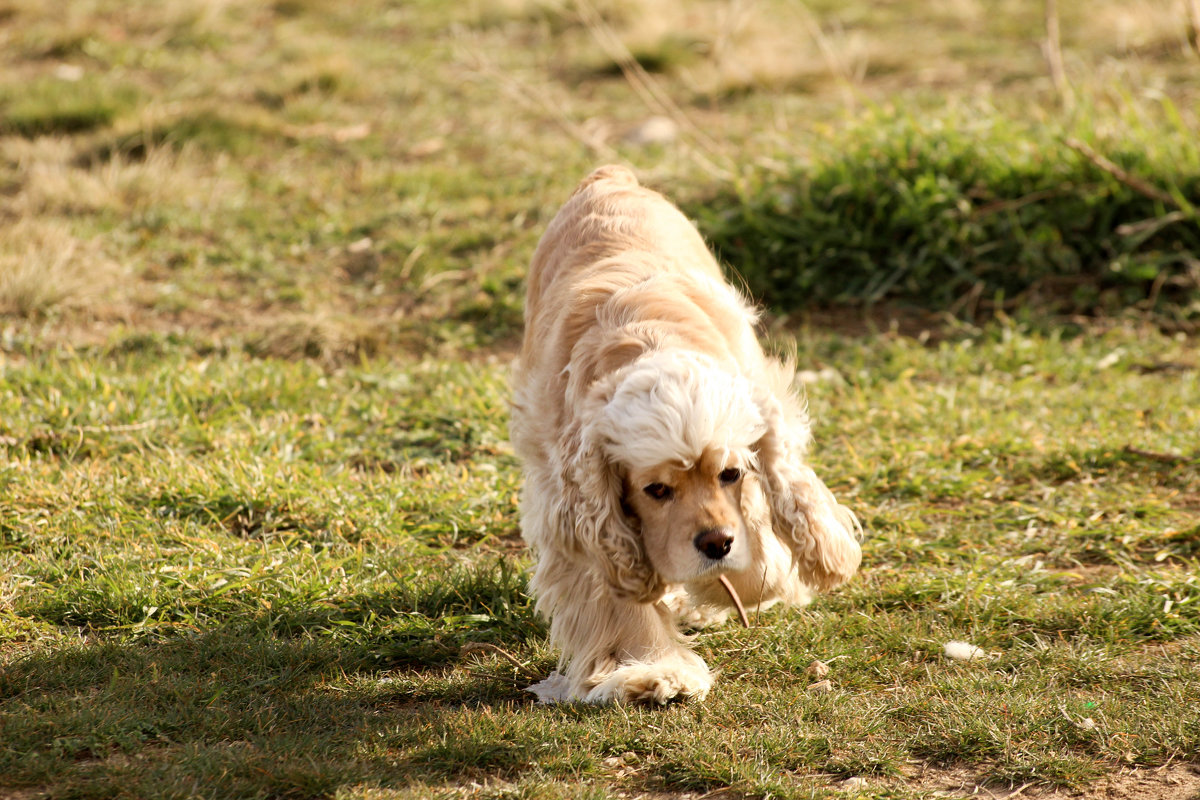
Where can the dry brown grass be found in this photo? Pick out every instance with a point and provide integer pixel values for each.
(56, 250)
(42, 264)
(52, 180)
(277, 133)
(1146, 27)
(717, 47)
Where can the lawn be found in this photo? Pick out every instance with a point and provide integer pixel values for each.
(261, 271)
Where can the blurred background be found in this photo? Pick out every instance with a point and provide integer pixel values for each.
(326, 179)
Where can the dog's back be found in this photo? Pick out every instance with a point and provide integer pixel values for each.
(612, 233)
(609, 214)
(617, 251)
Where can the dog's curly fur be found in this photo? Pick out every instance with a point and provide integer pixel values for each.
(647, 418)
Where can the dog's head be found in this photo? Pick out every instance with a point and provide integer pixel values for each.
(680, 432)
(668, 447)
(663, 455)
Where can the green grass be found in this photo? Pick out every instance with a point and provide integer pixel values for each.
(269, 577)
(258, 512)
(56, 106)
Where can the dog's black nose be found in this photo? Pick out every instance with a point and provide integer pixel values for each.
(714, 543)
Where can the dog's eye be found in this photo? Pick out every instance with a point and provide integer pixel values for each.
(728, 476)
(659, 491)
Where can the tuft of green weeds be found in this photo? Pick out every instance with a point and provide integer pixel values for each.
(53, 106)
(968, 210)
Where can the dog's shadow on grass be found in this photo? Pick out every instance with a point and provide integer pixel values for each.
(282, 704)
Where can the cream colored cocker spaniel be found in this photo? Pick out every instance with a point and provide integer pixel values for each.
(662, 450)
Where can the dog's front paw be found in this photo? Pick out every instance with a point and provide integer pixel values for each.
(683, 676)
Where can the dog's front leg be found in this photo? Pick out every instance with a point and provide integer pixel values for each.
(822, 534)
(615, 650)
(648, 663)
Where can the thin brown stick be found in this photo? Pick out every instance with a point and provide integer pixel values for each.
(1193, 33)
(1150, 225)
(651, 93)
(737, 601)
(536, 102)
(1054, 58)
(136, 426)
(639, 80)
(485, 647)
(1166, 458)
(1004, 206)
(1132, 181)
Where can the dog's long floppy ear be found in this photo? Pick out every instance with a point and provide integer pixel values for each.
(595, 523)
(822, 534)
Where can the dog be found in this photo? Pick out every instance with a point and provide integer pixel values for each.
(663, 451)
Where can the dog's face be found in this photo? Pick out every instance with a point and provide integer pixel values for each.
(690, 517)
(677, 436)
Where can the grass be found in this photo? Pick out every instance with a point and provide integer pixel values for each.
(63, 106)
(260, 284)
(274, 578)
(43, 265)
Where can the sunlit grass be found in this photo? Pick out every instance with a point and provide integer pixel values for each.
(261, 273)
(290, 559)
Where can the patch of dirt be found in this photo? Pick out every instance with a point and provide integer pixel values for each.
(22, 794)
(1171, 782)
(1186, 501)
(1152, 652)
